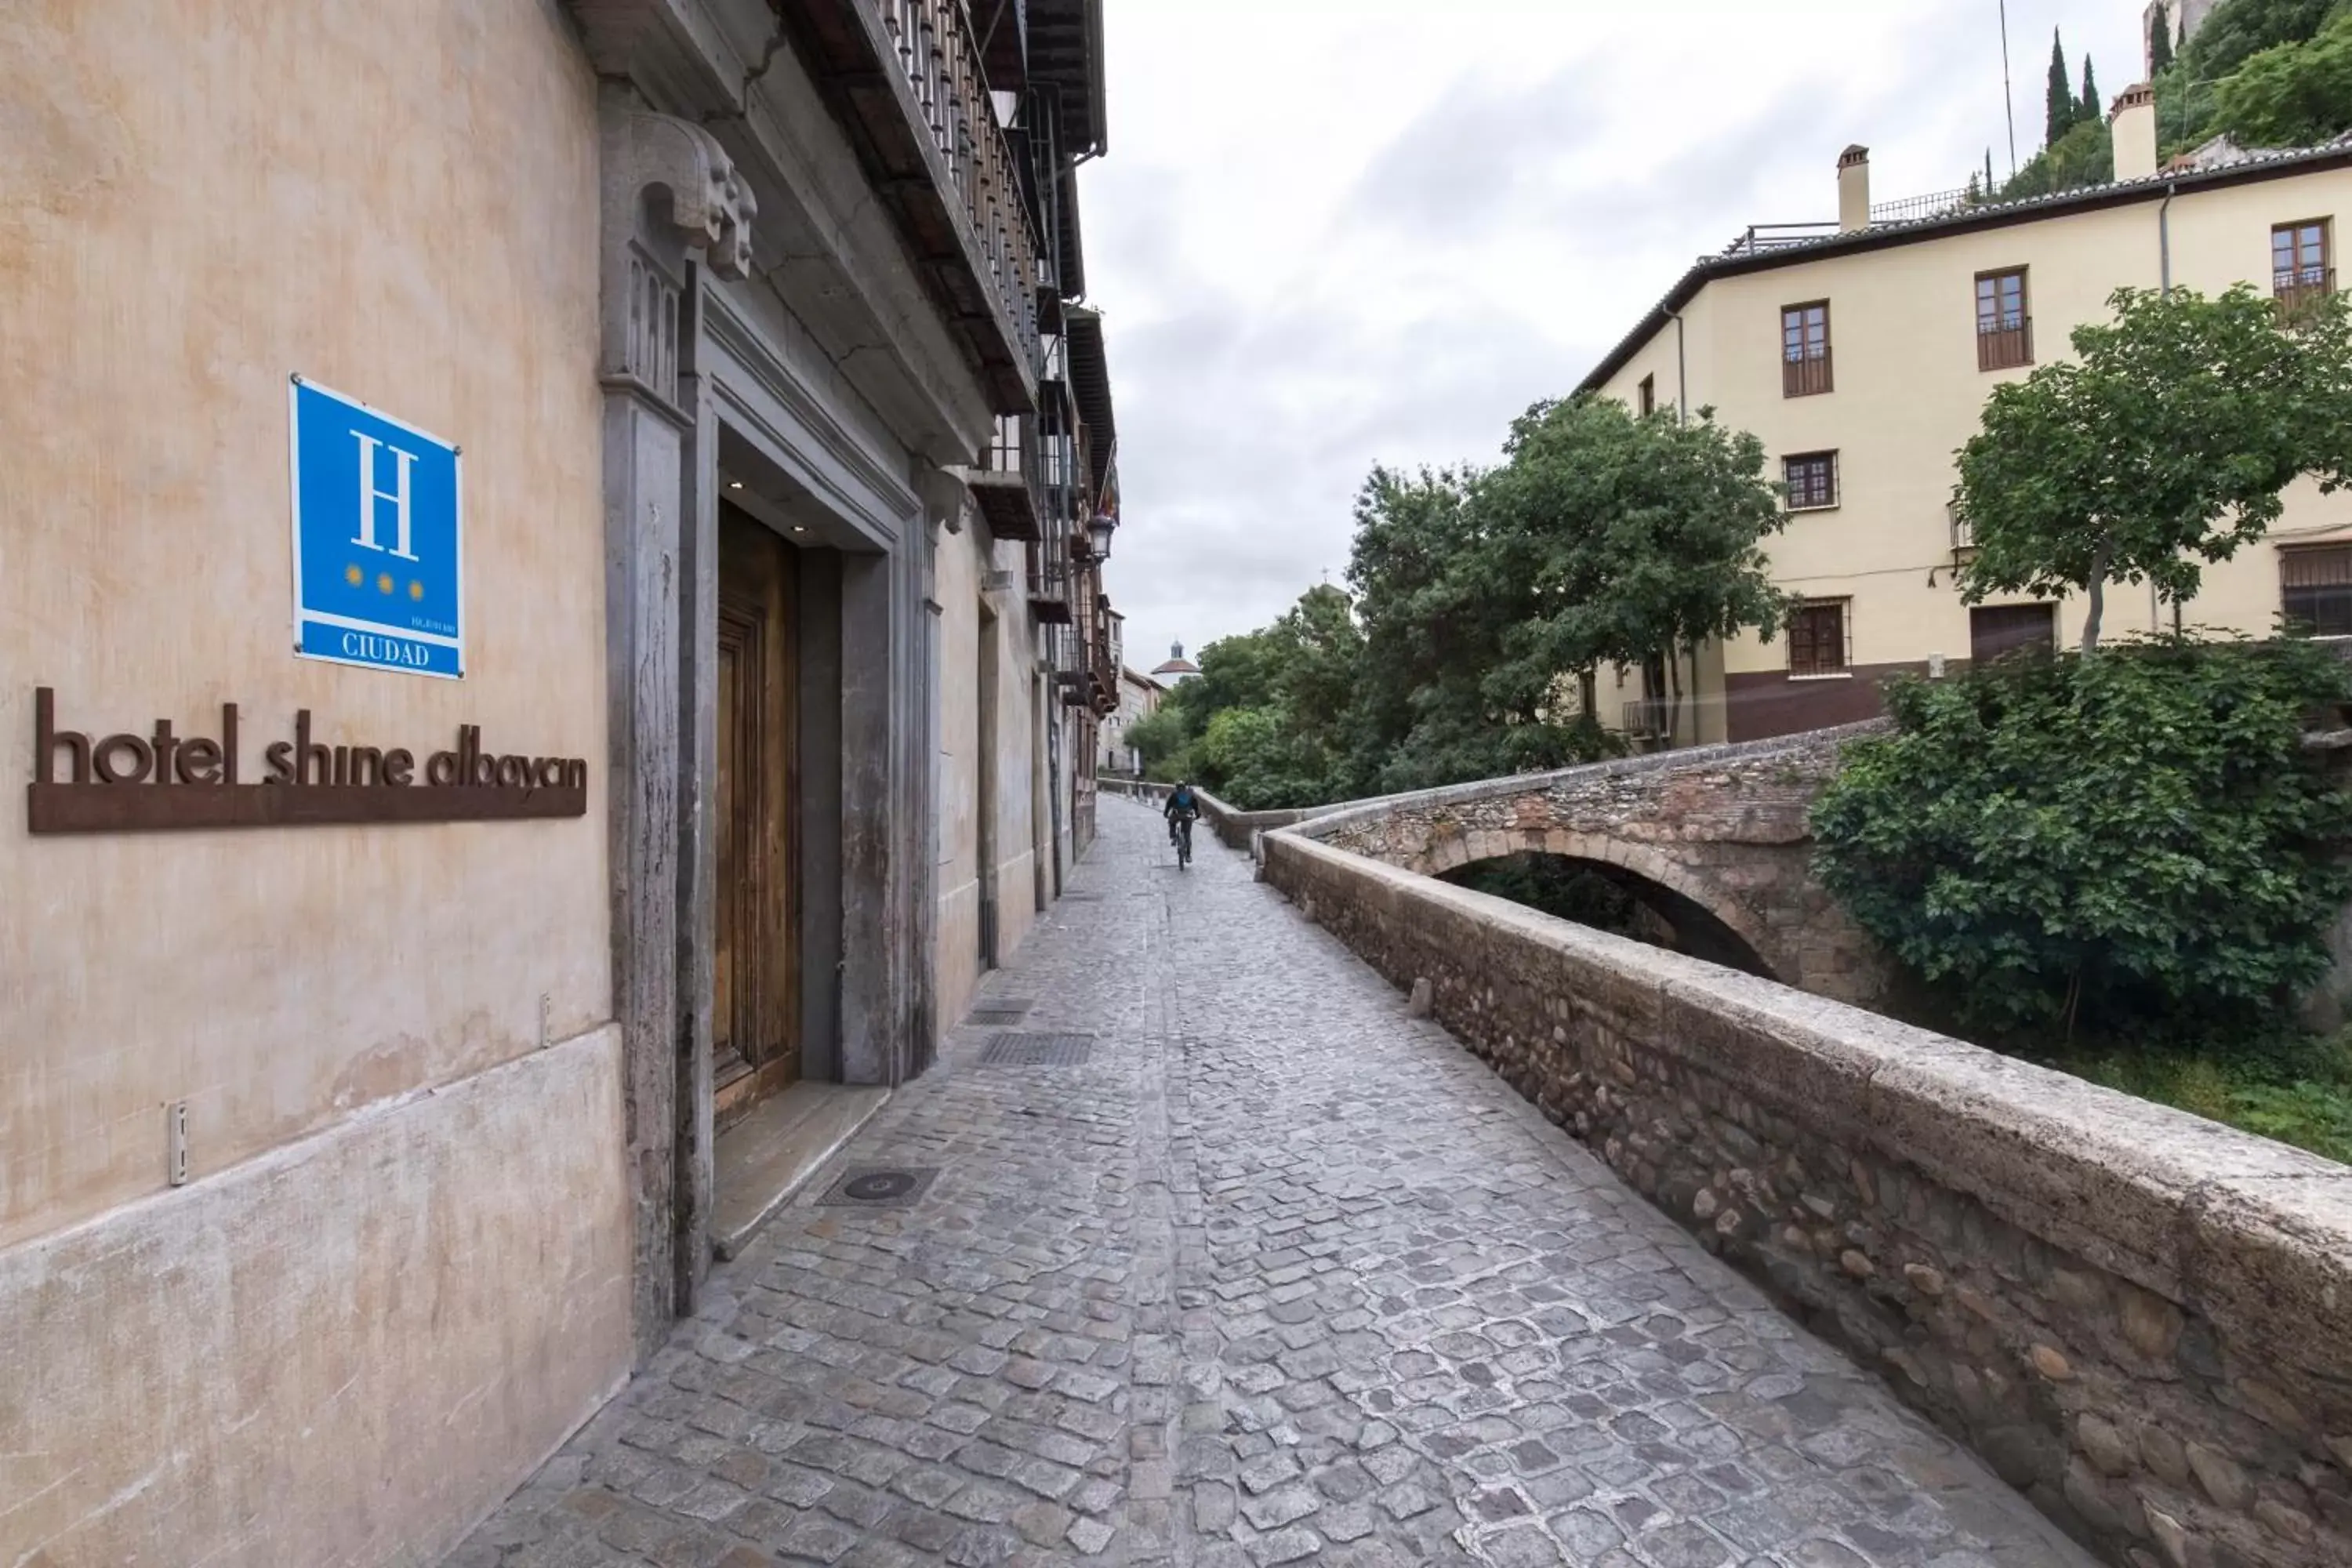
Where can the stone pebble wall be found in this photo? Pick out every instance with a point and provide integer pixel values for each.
(2142, 1319)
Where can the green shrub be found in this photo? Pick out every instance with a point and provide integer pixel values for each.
(2133, 843)
(2304, 1100)
(2295, 95)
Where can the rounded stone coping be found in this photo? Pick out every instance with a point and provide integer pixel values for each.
(1259, 821)
(1330, 819)
(2253, 1234)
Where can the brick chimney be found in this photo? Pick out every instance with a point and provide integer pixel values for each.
(1854, 189)
(2133, 124)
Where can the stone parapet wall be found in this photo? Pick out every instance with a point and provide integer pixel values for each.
(1726, 827)
(2141, 1318)
(1239, 829)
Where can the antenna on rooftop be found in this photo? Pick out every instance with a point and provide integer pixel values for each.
(2008, 99)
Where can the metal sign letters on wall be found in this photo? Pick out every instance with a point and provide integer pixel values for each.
(379, 537)
(124, 782)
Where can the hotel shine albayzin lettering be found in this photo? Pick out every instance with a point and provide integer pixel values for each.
(87, 783)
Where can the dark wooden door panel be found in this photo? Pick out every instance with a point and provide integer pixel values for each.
(755, 1019)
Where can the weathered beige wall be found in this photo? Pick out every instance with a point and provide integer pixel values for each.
(1908, 395)
(343, 1351)
(199, 201)
(202, 202)
(965, 560)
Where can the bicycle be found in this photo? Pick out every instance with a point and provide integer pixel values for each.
(1180, 830)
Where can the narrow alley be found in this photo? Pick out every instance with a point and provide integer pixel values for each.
(1249, 1269)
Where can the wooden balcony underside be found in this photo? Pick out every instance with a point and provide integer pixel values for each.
(1008, 503)
(991, 304)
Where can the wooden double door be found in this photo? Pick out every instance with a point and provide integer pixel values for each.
(755, 1023)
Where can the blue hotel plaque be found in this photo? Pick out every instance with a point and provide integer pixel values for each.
(379, 538)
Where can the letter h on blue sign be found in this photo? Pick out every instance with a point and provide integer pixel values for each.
(379, 537)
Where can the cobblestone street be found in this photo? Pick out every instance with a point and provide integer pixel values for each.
(1275, 1274)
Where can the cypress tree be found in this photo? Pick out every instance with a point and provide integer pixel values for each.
(2060, 97)
(2092, 110)
(2159, 47)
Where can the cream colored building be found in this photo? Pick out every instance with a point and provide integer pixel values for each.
(364, 1127)
(1139, 699)
(1861, 355)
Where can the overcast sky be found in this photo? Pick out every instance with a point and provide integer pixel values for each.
(1331, 232)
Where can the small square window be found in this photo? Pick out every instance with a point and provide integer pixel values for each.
(1812, 480)
(1817, 634)
(1995, 630)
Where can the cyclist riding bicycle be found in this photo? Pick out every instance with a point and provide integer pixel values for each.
(1182, 807)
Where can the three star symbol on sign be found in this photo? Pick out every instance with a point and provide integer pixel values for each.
(383, 583)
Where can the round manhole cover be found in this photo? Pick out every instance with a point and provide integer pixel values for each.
(879, 1186)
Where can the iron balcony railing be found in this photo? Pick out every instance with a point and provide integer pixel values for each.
(1645, 719)
(2004, 342)
(1805, 376)
(942, 165)
(1049, 578)
(2301, 287)
(1008, 483)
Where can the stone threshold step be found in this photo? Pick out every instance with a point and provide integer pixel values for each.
(764, 1158)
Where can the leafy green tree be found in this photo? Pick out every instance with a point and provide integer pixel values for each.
(2293, 95)
(2237, 30)
(2293, 99)
(2136, 843)
(2060, 111)
(1439, 591)
(1159, 740)
(2165, 442)
(2091, 109)
(1265, 724)
(1639, 537)
(2160, 44)
(2085, 156)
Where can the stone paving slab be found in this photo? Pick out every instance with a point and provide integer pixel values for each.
(1275, 1274)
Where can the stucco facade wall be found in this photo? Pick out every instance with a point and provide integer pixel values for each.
(204, 200)
(1908, 395)
(344, 1352)
(963, 564)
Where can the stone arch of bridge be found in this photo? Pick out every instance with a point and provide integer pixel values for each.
(1698, 910)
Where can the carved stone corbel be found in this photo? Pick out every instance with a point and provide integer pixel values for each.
(669, 189)
(710, 206)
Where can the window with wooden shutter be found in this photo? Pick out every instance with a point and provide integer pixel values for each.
(2301, 268)
(2315, 588)
(1998, 629)
(1805, 348)
(1817, 634)
(2004, 330)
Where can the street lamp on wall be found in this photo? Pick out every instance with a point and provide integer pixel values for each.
(1099, 532)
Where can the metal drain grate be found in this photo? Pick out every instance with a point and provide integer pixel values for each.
(1037, 1050)
(1082, 898)
(881, 1186)
(998, 1011)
